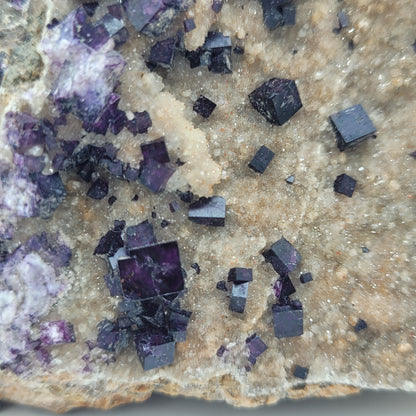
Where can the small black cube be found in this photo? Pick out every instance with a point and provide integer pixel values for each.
(288, 320)
(345, 185)
(240, 275)
(360, 325)
(301, 372)
(306, 277)
(352, 126)
(238, 298)
(261, 159)
(204, 106)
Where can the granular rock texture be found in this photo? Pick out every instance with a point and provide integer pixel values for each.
(360, 250)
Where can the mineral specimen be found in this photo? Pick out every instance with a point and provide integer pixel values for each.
(98, 189)
(56, 332)
(256, 347)
(352, 126)
(288, 320)
(283, 257)
(306, 277)
(154, 175)
(345, 185)
(301, 372)
(140, 123)
(162, 53)
(261, 159)
(188, 25)
(360, 325)
(155, 150)
(240, 275)
(238, 297)
(277, 100)
(208, 211)
(204, 106)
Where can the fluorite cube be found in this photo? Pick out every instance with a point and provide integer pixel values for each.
(154, 350)
(277, 100)
(162, 53)
(255, 346)
(261, 159)
(240, 275)
(140, 235)
(110, 243)
(155, 175)
(301, 372)
(360, 325)
(56, 332)
(345, 185)
(352, 126)
(283, 257)
(178, 323)
(306, 277)
(188, 25)
(98, 189)
(155, 150)
(208, 211)
(287, 320)
(140, 123)
(204, 106)
(283, 288)
(154, 270)
(238, 297)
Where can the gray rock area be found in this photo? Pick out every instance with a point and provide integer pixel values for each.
(359, 319)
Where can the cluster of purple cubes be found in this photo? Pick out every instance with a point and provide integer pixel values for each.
(149, 278)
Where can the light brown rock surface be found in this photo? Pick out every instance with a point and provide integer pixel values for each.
(328, 229)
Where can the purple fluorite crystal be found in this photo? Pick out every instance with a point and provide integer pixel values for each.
(240, 275)
(140, 123)
(283, 288)
(255, 347)
(56, 332)
(155, 175)
(301, 372)
(154, 270)
(208, 211)
(238, 297)
(155, 150)
(288, 320)
(98, 189)
(140, 235)
(204, 106)
(283, 257)
(162, 53)
(345, 185)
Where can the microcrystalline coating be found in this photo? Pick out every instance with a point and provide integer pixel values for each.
(352, 126)
(162, 53)
(155, 150)
(277, 100)
(154, 270)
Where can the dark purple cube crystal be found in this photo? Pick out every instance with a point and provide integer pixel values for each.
(216, 5)
(255, 347)
(360, 325)
(174, 206)
(86, 171)
(289, 15)
(154, 270)
(290, 179)
(140, 235)
(343, 20)
(240, 275)
(162, 53)
(112, 336)
(220, 61)
(306, 277)
(194, 57)
(301, 372)
(155, 150)
(114, 167)
(345, 185)
(352, 126)
(188, 25)
(261, 159)
(272, 13)
(140, 123)
(208, 211)
(204, 106)
(155, 175)
(154, 350)
(52, 191)
(178, 322)
(109, 243)
(56, 332)
(222, 285)
(221, 350)
(238, 297)
(288, 320)
(98, 189)
(283, 288)
(216, 40)
(277, 100)
(119, 225)
(283, 257)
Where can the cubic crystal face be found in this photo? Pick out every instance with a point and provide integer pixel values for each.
(238, 297)
(352, 126)
(261, 159)
(288, 320)
(306, 277)
(283, 288)
(155, 150)
(240, 275)
(256, 347)
(345, 185)
(208, 211)
(140, 123)
(360, 325)
(154, 270)
(154, 350)
(204, 106)
(162, 53)
(155, 175)
(277, 100)
(140, 235)
(283, 257)
(301, 372)
(98, 189)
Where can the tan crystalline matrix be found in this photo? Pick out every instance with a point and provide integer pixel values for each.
(327, 228)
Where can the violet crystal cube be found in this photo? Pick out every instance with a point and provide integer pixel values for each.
(204, 106)
(140, 123)
(188, 25)
(154, 175)
(277, 100)
(240, 275)
(162, 53)
(155, 150)
(261, 159)
(283, 257)
(140, 235)
(154, 270)
(306, 277)
(256, 347)
(352, 126)
(288, 320)
(345, 185)
(301, 372)
(98, 189)
(208, 211)
(238, 297)
(57, 332)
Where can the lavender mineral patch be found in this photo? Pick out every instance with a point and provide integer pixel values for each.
(187, 194)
